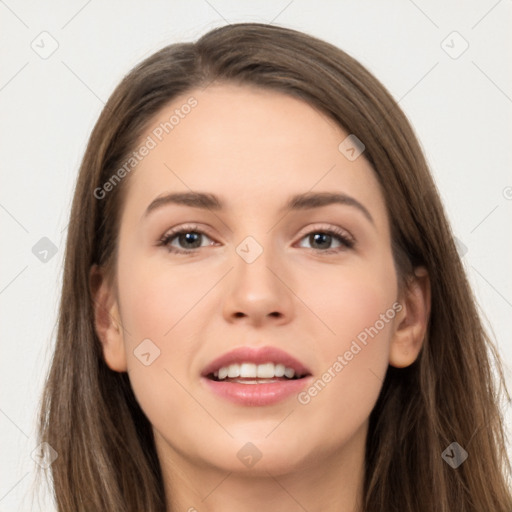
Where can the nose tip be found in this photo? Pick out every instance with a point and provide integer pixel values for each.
(256, 293)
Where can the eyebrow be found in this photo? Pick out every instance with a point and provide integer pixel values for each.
(305, 201)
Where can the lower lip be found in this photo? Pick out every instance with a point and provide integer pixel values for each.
(257, 394)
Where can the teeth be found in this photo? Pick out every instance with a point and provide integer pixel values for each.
(265, 371)
(279, 370)
(248, 370)
(288, 372)
(233, 371)
(252, 371)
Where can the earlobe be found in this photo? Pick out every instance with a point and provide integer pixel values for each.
(412, 321)
(107, 320)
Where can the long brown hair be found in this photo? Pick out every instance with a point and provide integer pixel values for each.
(89, 415)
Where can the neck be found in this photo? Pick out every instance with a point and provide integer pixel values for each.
(328, 481)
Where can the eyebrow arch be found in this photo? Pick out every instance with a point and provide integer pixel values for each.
(305, 201)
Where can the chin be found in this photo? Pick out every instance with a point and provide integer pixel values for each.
(259, 456)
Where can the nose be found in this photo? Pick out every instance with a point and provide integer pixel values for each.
(259, 291)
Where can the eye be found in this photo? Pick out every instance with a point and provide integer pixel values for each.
(321, 238)
(189, 237)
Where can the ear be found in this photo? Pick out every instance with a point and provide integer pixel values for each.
(107, 320)
(412, 320)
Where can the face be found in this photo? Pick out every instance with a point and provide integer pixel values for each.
(312, 288)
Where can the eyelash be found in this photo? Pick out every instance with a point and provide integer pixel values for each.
(347, 241)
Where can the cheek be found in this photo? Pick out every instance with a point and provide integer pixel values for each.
(157, 299)
(360, 311)
(153, 306)
(350, 302)
(156, 308)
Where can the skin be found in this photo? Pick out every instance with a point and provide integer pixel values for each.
(254, 148)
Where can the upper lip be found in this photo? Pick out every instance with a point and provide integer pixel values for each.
(257, 356)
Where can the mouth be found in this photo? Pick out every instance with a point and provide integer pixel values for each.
(249, 376)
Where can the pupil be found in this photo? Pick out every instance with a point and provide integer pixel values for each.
(189, 238)
(322, 236)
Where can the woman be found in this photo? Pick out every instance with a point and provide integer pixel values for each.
(249, 368)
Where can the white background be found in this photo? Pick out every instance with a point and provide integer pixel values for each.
(459, 107)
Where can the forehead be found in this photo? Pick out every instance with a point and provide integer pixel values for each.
(253, 147)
